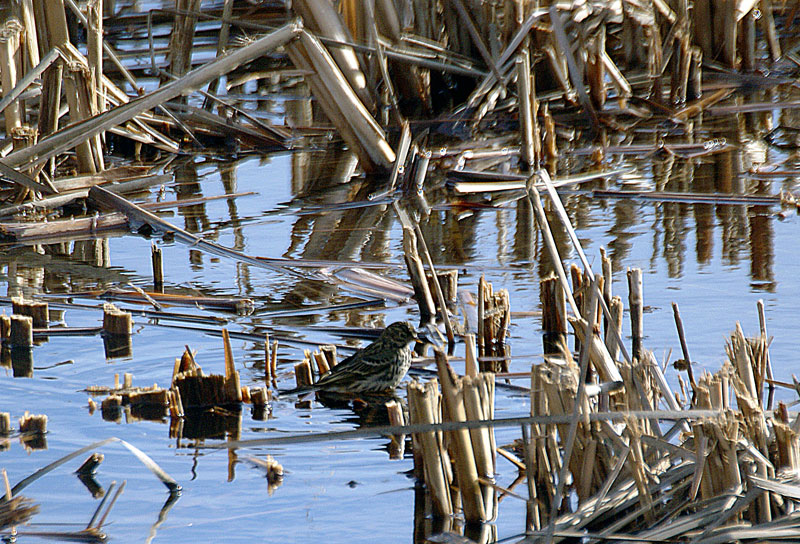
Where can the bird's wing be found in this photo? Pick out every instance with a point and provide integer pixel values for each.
(367, 362)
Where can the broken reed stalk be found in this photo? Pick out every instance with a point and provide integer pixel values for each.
(116, 321)
(466, 471)
(494, 314)
(322, 363)
(527, 111)
(395, 414)
(302, 373)
(636, 305)
(448, 282)
(424, 406)
(614, 327)
(233, 385)
(471, 366)
(684, 348)
(273, 363)
(158, 268)
(322, 18)
(550, 244)
(340, 104)
(267, 358)
(427, 309)
(554, 315)
(329, 352)
(437, 288)
(569, 442)
(94, 46)
(9, 47)
(79, 132)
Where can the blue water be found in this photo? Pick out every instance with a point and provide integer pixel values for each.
(716, 262)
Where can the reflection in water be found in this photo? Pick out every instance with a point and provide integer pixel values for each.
(457, 232)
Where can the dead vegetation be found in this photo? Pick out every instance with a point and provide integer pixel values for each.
(490, 97)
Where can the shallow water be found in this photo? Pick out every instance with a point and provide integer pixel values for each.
(715, 261)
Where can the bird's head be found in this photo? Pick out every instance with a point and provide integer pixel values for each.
(400, 333)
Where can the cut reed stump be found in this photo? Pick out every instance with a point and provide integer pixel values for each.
(158, 269)
(494, 318)
(21, 335)
(554, 316)
(430, 454)
(198, 390)
(89, 466)
(117, 328)
(36, 310)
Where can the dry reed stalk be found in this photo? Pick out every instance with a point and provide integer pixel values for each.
(416, 272)
(549, 141)
(33, 423)
(608, 279)
(5, 327)
(554, 315)
(741, 357)
(636, 305)
(526, 115)
(233, 385)
(694, 87)
(574, 68)
(462, 452)
(302, 373)
(340, 103)
(788, 447)
(273, 363)
(267, 365)
(601, 360)
(642, 391)
(116, 321)
(478, 396)
(769, 29)
(494, 314)
(182, 36)
(69, 137)
(9, 48)
(424, 407)
(448, 283)
(762, 321)
(329, 352)
(437, 288)
(614, 330)
(94, 46)
(222, 46)
(158, 268)
(747, 42)
(638, 467)
(395, 413)
(31, 55)
(323, 20)
(322, 363)
(76, 85)
(684, 348)
(50, 103)
(471, 356)
(595, 68)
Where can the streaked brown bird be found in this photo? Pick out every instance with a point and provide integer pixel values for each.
(377, 368)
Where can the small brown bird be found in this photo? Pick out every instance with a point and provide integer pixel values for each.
(377, 368)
